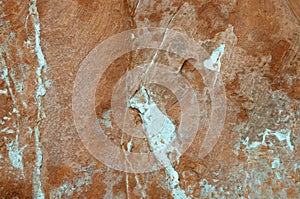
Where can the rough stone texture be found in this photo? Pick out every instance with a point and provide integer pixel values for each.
(258, 153)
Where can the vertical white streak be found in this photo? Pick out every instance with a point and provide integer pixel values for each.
(41, 91)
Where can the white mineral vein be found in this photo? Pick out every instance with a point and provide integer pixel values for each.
(41, 91)
(160, 131)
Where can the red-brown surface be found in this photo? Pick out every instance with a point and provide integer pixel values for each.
(257, 155)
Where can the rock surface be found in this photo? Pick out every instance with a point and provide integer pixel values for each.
(255, 45)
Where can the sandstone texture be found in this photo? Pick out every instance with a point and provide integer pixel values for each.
(257, 154)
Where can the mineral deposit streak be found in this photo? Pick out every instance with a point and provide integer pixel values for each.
(40, 93)
(160, 131)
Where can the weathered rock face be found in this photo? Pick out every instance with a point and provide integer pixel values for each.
(254, 46)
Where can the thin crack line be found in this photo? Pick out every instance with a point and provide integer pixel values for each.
(122, 138)
(161, 44)
(136, 7)
(128, 75)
